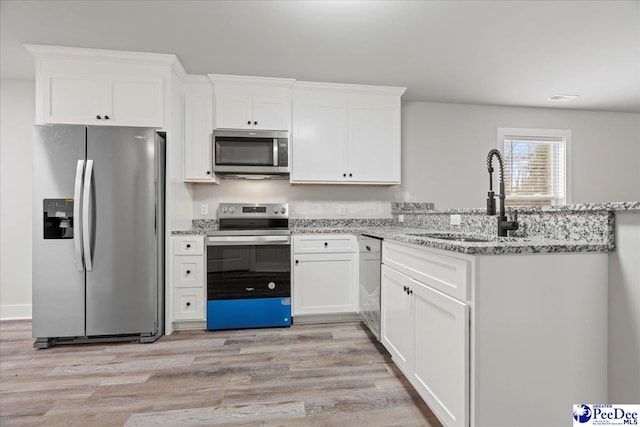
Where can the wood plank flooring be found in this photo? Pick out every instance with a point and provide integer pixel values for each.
(306, 375)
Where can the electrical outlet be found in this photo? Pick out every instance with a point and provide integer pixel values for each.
(454, 219)
(204, 209)
(400, 218)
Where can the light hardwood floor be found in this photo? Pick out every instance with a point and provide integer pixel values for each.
(307, 375)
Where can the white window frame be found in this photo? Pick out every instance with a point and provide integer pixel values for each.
(564, 134)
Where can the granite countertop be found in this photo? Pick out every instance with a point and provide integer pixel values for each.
(495, 246)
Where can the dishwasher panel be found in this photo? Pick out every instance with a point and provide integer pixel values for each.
(370, 249)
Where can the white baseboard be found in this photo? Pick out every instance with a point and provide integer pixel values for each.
(15, 311)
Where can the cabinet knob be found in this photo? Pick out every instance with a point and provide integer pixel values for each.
(350, 175)
(106, 117)
(405, 288)
(98, 117)
(410, 291)
(208, 172)
(344, 175)
(326, 244)
(255, 123)
(249, 122)
(188, 245)
(188, 271)
(188, 304)
(297, 262)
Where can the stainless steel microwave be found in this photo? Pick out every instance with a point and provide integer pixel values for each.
(259, 152)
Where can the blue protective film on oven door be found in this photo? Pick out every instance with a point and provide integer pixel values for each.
(248, 313)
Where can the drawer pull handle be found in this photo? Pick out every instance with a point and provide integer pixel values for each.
(297, 262)
(188, 304)
(188, 271)
(326, 244)
(188, 245)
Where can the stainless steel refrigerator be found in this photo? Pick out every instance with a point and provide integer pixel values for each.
(98, 240)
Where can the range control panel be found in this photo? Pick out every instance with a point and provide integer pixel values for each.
(253, 210)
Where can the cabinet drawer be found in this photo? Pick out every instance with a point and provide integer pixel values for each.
(188, 245)
(324, 243)
(444, 273)
(188, 304)
(188, 271)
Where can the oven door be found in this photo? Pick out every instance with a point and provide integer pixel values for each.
(240, 267)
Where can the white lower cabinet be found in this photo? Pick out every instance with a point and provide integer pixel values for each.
(325, 274)
(427, 333)
(441, 353)
(397, 319)
(188, 284)
(487, 339)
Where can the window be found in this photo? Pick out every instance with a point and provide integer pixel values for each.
(536, 166)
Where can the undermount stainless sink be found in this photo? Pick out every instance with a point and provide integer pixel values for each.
(452, 237)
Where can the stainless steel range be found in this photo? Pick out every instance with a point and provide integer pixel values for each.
(249, 267)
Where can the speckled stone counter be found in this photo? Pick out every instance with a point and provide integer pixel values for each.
(551, 229)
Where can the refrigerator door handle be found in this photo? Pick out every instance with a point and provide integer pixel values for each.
(86, 216)
(77, 200)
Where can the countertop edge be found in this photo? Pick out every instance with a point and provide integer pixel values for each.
(399, 234)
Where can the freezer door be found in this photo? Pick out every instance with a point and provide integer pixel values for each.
(57, 268)
(122, 290)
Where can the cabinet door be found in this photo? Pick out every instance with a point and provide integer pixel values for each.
(271, 113)
(73, 99)
(374, 144)
(325, 283)
(233, 111)
(319, 142)
(397, 318)
(135, 102)
(198, 144)
(441, 340)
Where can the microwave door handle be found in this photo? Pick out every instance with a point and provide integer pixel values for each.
(275, 151)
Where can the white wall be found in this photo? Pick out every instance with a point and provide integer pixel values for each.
(449, 143)
(444, 150)
(17, 114)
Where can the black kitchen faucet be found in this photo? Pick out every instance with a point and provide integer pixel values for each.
(503, 224)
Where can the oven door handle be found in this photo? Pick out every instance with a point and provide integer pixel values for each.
(247, 240)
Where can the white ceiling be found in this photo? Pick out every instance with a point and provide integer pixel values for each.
(515, 53)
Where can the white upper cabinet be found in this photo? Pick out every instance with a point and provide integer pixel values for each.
(198, 143)
(346, 134)
(92, 86)
(319, 139)
(251, 102)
